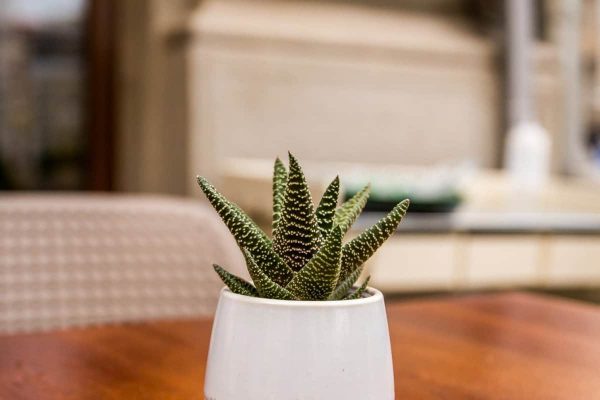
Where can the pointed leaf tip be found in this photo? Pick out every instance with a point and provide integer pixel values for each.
(247, 234)
(235, 283)
(296, 238)
(292, 159)
(279, 185)
(326, 209)
(351, 209)
(359, 249)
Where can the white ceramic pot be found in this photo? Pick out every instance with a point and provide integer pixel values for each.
(263, 349)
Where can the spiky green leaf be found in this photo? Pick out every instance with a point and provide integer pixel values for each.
(357, 294)
(224, 207)
(248, 235)
(344, 286)
(326, 209)
(235, 283)
(317, 280)
(279, 183)
(297, 236)
(351, 209)
(359, 249)
(264, 285)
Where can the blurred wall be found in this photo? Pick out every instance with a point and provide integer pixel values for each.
(152, 107)
(201, 82)
(342, 81)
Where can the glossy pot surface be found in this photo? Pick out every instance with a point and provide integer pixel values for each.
(263, 349)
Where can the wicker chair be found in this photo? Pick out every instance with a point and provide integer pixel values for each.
(74, 260)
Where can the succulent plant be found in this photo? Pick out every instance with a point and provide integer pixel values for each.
(305, 259)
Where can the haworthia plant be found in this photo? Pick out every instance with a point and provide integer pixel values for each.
(279, 184)
(326, 209)
(359, 249)
(344, 285)
(296, 238)
(306, 259)
(248, 235)
(265, 286)
(358, 293)
(235, 283)
(318, 279)
(350, 210)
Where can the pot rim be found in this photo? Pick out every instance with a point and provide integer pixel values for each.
(375, 296)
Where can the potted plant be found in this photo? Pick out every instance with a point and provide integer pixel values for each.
(301, 329)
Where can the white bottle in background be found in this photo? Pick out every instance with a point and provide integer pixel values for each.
(527, 151)
(528, 156)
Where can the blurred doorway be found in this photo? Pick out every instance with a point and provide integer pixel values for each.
(56, 94)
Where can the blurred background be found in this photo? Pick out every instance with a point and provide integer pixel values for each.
(485, 113)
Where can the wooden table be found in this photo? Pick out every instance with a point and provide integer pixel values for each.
(505, 346)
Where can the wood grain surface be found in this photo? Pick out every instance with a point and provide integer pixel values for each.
(504, 346)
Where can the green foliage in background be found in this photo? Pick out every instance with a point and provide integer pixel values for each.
(306, 258)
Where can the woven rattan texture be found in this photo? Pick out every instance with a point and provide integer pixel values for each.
(76, 260)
